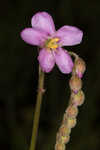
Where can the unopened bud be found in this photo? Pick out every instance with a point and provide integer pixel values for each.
(62, 139)
(75, 83)
(65, 139)
(65, 118)
(71, 122)
(77, 99)
(79, 67)
(64, 130)
(59, 146)
(72, 111)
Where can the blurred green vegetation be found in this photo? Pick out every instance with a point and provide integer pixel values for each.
(19, 74)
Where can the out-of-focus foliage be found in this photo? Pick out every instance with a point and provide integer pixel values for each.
(19, 74)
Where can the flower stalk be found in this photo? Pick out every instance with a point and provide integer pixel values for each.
(37, 109)
(50, 42)
(76, 99)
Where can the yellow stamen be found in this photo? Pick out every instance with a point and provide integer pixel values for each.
(52, 43)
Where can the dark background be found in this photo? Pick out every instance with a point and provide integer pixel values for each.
(19, 74)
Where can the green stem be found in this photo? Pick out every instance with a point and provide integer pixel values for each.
(37, 109)
(73, 54)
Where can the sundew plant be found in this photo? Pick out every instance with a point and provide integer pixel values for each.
(50, 43)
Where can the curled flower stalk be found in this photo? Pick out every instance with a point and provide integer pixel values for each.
(76, 99)
(50, 42)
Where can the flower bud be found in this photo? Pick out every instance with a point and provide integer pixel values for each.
(64, 130)
(75, 83)
(77, 99)
(71, 122)
(59, 146)
(65, 139)
(65, 118)
(79, 67)
(62, 139)
(72, 111)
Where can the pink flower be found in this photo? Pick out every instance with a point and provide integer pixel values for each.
(50, 41)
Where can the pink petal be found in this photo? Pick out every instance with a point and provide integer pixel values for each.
(64, 61)
(46, 60)
(69, 35)
(43, 21)
(33, 36)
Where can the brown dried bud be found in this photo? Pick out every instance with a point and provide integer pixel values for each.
(77, 99)
(64, 130)
(59, 146)
(79, 67)
(72, 111)
(75, 83)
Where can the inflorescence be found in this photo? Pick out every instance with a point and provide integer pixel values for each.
(76, 99)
